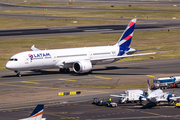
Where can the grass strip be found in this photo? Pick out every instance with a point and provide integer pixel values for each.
(165, 7)
(115, 14)
(14, 23)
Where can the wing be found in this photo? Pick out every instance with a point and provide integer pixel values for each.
(124, 56)
(34, 49)
(115, 95)
(174, 98)
(71, 61)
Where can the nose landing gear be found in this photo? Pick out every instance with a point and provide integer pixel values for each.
(18, 73)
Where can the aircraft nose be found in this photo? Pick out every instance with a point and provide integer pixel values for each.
(8, 65)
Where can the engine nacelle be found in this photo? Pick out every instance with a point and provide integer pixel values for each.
(82, 66)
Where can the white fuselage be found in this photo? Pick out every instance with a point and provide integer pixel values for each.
(31, 60)
(157, 96)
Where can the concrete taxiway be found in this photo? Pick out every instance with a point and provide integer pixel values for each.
(7, 6)
(85, 29)
(19, 96)
(83, 110)
(43, 86)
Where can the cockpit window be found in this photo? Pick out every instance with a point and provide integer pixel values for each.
(13, 59)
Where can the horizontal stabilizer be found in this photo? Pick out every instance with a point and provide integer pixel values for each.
(148, 49)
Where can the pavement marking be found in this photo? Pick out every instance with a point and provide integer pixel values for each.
(101, 77)
(89, 76)
(129, 109)
(176, 118)
(149, 75)
(137, 118)
(30, 82)
(154, 114)
(67, 80)
(33, 87)
(49, 88)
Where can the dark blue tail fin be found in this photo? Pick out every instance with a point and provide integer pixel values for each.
(125, 40)
(37, 111)
(126, 37)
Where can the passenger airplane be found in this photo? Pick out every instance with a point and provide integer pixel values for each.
(157, 96)
(36, 114)
(80, 59)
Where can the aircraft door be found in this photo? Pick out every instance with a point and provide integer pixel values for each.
(27, 60)
(54, 58)
(113, 53)
(90, 54)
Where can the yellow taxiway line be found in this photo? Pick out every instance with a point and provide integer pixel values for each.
(154, 114)
(66, 80)
(149, 75)
(101, 77)
(30, 82)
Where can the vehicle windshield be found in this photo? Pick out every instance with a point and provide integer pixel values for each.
(13, 59)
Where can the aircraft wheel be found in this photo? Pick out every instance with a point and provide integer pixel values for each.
(60, 70)
(64, 70)
(67, 70)
(18, 75)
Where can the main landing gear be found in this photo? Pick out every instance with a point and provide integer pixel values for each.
(64, 70)
(18, 73)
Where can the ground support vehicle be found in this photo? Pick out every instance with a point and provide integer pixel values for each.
(130, 96)
(111, 104)
(95, 101)
(106, 103)
(166, 82)
(102, 103)
(177, 105)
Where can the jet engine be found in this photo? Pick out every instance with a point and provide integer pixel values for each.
(82, 66)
